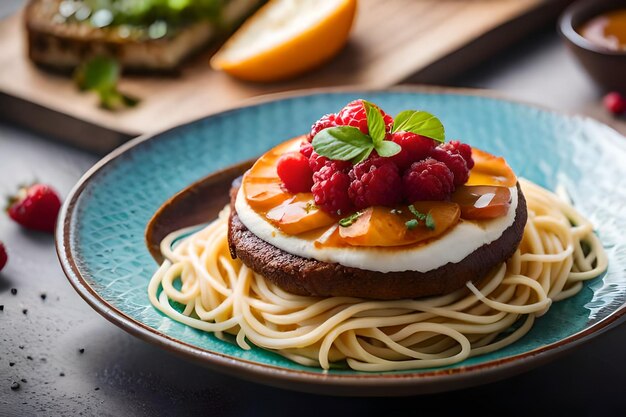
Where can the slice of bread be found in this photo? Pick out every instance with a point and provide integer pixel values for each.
(303, 276)
(62, 45)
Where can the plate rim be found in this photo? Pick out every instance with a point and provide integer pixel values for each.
(334, 384)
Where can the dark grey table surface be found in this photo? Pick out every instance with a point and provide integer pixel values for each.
(119, 375)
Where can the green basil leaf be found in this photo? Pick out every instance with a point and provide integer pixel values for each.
(387, 148)
(114, 100)
(130, 101)
(99, 73)
(421, 123)
(375, 122)
(110, 99)
(342, 143)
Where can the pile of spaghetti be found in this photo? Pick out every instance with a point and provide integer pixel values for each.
(559, 250)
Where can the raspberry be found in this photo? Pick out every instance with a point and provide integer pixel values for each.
(306, 149)
(463, 148)
(454, 161)
(414, 148)
(354, 115)
(615, 102)
(375, 182)
(317, 162)
(428, 180)
(293, 169)
(330, 190)
(388, 121)
(326, 121)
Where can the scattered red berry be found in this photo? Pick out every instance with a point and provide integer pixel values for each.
(427, 180)
(324, 122)
(414, 148)
(293, 169)
(306, 149)
(3, 256)
(375, 182)
(35, 207)
(454, 161)
(615, 102)
(354, 115)
(330, 190)
(462, 148)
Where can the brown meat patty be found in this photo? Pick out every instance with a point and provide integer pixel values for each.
(304, 276)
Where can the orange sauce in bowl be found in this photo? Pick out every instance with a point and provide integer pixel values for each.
(607, 30)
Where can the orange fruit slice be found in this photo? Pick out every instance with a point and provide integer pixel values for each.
(299, 214)
(482, 201)
(490, 170)
(286, 38)
(262, 187)
(382, 226)
(263, 194)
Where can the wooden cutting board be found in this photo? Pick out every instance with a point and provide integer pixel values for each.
(425, 40)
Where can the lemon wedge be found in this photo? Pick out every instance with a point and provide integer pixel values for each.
(285, 38)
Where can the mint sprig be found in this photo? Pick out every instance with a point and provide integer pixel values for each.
(375, 123)
(348, 143)
(421, 123)
(343, 143)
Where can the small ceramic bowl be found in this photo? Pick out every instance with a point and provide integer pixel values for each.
(606, 67)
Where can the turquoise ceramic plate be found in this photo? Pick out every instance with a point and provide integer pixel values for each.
(102, 250)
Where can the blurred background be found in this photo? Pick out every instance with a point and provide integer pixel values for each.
(62, 60)
(79, 78)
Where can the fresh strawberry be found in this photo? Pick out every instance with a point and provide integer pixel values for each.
(3, 256)
(35, 207)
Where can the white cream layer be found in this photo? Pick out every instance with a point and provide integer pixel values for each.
(463, 239)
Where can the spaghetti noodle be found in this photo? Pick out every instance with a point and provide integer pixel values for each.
(558, 251)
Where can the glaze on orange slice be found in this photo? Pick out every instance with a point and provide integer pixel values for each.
(299, 214)
(490, 170)
(384, 226)
(482, 201)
